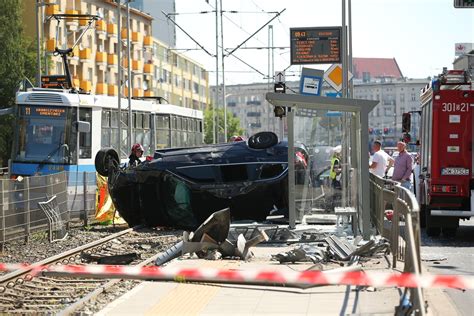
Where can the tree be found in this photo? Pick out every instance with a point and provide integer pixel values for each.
(17, 60)
(233, 125)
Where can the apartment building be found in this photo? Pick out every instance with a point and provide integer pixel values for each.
(156, 70)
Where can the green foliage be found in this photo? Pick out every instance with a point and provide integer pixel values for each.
(233, 125)
(17, 60)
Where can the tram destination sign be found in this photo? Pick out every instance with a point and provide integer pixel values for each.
(315, 45)
(55, 82)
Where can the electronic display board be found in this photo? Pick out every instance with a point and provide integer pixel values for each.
(43, 111)
(55, 82)
(315, 45)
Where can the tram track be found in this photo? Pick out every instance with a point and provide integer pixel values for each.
(25, 291)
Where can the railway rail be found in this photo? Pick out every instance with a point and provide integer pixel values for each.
(26, 292)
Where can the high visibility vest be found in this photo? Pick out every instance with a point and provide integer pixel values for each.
(332, 173)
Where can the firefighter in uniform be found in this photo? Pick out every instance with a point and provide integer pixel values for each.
(335, 177)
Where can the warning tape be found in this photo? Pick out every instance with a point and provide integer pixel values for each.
(261, 277)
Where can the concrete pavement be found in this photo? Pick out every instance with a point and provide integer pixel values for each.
(166, 298)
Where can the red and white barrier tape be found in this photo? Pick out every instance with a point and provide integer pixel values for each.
(264, 277)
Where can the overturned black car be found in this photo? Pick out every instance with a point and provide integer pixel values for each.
(181, 187)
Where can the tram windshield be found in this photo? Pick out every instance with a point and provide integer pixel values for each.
(42, 135)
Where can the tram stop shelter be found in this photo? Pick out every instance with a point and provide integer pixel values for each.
(317, 126)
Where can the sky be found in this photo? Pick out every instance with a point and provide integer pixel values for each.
(419, 34)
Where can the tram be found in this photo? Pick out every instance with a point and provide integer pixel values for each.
(62, 130)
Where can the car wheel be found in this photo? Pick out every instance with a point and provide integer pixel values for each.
(422, 216)
(263, 140)
(433, 231)
(104, 159)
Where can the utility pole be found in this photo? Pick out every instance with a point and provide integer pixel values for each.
(119, 76)
(214, 107)
(38, 49)
(223, 75)
(130, 80)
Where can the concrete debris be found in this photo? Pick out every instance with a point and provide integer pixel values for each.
(209, 241)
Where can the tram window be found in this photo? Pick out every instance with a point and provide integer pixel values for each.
(174, 139)
(163, 122)
(147, 141)
(163, 138)
(174, 122)
(125, 118)
(114, 137)
(105, 118)
(179, 126)
(105, 137)
(85, 139)
(139, 120)
(114, 120)
(185, 124)
(146, 120)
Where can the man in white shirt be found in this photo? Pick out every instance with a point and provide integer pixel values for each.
(380, 160)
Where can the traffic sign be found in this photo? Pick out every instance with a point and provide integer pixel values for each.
(333, 76)
(280, 76)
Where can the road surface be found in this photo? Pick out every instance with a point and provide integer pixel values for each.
(452, 256)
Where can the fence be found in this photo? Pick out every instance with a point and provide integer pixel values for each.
(20, 214)
(403, 230)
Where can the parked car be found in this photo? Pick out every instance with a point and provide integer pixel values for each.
(181, 187)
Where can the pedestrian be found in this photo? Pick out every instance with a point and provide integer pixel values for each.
(135, 155)
(335, 175)
(380, 160)
(403, 166)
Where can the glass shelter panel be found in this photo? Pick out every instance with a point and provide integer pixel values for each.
(326, 170)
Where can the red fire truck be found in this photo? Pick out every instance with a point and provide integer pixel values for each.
(445, 186)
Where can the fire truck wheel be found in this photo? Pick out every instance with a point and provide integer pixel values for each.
(449, 232)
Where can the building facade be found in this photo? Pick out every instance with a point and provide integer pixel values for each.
(156, 70)
(163, 30)
(248, 103)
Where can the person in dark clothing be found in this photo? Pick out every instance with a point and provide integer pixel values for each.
(134, 158)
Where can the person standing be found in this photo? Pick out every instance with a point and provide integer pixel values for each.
(135, 155)
(403, 166)
(380, 160)
(335, 175)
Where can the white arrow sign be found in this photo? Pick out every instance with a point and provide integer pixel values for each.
(280, 76)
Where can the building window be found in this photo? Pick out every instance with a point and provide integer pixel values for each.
(413, 96)
(402, 98)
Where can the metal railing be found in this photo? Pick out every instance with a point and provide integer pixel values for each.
(403, 231)
(20, 214)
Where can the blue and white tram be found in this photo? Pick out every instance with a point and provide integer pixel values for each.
(45, 139)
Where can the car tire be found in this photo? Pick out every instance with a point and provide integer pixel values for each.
(104, 159)
(433, 231)
(263, 140)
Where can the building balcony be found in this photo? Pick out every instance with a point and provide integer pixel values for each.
(76, 82)
(148, 41)
(148, 69)
(50, 45)
(137, 37)
(137, 92)
(101, 88)
(85, 54)
(83, 22)
(101, 57)
(149, 93)
(112, 59)
(86, 85)
(123, 33)
(100, 26)
(72, 23)
(125, 63)
(112, 29)
(137, 65)
(52, 9)
(112, 90)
